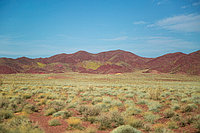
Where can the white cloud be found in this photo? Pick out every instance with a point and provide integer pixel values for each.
(196, 4)
(116, 39)
(169, 41)
(139, 22)
(181, 23)
(166, 41)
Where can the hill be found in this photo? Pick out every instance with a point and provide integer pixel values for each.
(117, 61)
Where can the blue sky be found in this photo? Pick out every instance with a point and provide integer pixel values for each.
(148, 28)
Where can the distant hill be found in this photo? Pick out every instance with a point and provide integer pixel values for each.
(110, 62)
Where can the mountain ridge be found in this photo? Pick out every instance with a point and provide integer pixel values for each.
(109, 62)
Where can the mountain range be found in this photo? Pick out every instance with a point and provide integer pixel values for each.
(110, 62)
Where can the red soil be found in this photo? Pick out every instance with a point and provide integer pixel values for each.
(43, 123)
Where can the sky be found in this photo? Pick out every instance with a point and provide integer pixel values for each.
(148, 28)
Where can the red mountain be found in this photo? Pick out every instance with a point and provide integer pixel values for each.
(189, 64)
(164, 63)
(117, 61)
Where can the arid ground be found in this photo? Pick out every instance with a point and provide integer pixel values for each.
(89, 103)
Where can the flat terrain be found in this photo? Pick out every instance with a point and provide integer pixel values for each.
(74, 102)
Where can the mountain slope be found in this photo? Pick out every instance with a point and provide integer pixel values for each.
(164, 63)
(189, 64)
(117, 61)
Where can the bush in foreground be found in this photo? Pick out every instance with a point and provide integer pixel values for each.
(74, 123)
(125, 129)
(134, 122)
(105, 121)
(19, 124)
(5, 114)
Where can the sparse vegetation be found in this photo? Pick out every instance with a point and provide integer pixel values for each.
(114, 103)
(125, 129)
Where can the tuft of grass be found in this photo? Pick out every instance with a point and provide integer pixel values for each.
(54, 122)
(116, 118)
(154, 94)
(5, 114)
(134, 122)
(150, 117)
(188, 108)
(49, 111)
(176, 107)
(172, 125)
(74, 122)
(89, 110)
(125, 129)
(159, 128)
(63, 114)
(168, 113)
(105, 121)
(30, 108)
(133, 110)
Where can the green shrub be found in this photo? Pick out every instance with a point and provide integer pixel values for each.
(27, 96)
(130, 95)
(117, 118)
(74, 123)
(160, 128)
(190, 119)
(154, 94)
(137, 123)
(5, 114)
(41, 96)
(125, 129)
(176, 107)
(49, 111)
(163, 130)
(88, 110)
(3, 129)
(105, 121)
(4, 102)
(97, 100)
(182, 123)
(176, 117)
(172, 125)
(133, 110)
(187, 108)
(107, 100)
(54, 122)
(14, 107)
(116, 103)
(150, 117)
(142, 102)
(197, 125)
(185, 100)
(29, 108)
(147, 127)
(168, 113)
(63, 114)
(21, 124)
(134, 122)
(82, 109)
(56, 104)
(72, 105)
(154, 106)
